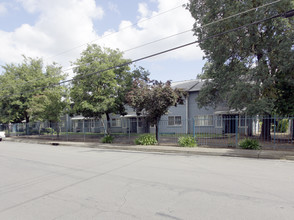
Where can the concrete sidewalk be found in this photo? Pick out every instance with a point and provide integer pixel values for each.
(263, 154)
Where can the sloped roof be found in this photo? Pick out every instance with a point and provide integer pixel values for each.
(188, 85)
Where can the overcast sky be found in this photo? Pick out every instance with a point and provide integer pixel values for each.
(58, 30)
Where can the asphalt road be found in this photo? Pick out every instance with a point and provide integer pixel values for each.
(54, 182)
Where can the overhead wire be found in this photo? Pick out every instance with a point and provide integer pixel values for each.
(213, 22)
(113, 33)
(205, 25)
(165, 51)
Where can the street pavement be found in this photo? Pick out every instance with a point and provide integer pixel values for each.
(53, 182)
(208, 151)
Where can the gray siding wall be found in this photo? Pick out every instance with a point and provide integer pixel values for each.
(179, 110)
(194, 110)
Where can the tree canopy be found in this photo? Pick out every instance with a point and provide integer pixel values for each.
(250, 69)
(23, 84)
(103, 78)
(153, 99)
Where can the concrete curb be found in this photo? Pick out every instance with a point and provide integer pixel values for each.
(261, 154)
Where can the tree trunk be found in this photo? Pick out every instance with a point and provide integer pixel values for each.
(58, 129)
(156, 132)
(27, 125)
(266, 128)
(8, 129)
(108, 124)
(292, 129)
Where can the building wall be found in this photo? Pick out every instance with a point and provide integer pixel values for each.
(165, 127)
(194, 110)
(188, 114)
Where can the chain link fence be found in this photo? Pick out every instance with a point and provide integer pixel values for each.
(213, 131)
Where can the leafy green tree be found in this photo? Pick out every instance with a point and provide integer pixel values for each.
(50, 106)
(153, 99)
(99, 89)
(247, 66)
(23, 83)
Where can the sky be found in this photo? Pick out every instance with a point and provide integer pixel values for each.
(59, 30)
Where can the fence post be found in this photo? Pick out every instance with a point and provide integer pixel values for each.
(129, 128)
(274, 131)
(66, 127)
(237, 130)
(158, 131)
(84, 129)
(193, 128)
(52, 132)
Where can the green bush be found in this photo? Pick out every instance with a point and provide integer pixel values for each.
(146, 139)
(250, 144)
(187, 141)
(47, 131)
(33, 131)
(107, 139)
(283, 125)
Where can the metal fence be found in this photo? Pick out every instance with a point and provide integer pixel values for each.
(209, 130)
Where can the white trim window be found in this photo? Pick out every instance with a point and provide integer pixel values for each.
(115, 122)
(218, 121)
(124, 122)
(174, 120)
(242, 121)
(203, 120)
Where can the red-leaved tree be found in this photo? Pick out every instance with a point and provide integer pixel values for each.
(153, 99)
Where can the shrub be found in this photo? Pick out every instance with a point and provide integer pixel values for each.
(47, 131)
(187, 141)
(107, 139)
(250, 144)
(33, 131)
(283, 125)
(146, 139)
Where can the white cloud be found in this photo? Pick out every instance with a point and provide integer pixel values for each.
(67, 24)
(3, 9)
(61, 25)
(143, 9)
(161, 26)
(113, 7)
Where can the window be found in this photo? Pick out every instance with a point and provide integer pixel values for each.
(218, 121)
(242, 121)
(204, 120)
(94, 123)
(124, 122)
(174, 120)
(115, 122)
(140, 123)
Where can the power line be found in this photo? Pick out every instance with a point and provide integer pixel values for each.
(205, 25)
(146, 44)
(285, 15)
(170, 36)
(164, 12)
(107, 35)
(240, 13)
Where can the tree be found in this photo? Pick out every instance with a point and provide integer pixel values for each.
(153, 99)
(50, 106)
(99, 88)
(21, 84)
(246, 66)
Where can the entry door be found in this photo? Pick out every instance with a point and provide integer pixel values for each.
(133, 125)
(230, 123)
